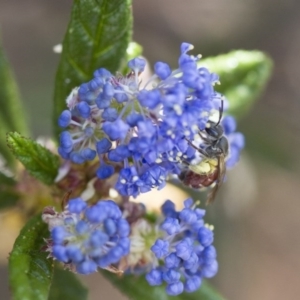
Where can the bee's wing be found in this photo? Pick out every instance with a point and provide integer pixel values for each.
(221, 175)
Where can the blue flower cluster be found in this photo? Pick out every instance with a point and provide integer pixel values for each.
(145, 129)
(90, 237)
(236, 140)
(185, 254)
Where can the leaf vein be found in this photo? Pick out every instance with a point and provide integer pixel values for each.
(89, 34)
(75, 66)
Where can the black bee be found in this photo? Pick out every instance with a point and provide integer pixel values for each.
(212, 168)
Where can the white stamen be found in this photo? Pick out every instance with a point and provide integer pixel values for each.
(135, 178)
(185, 124)
(194, 127)
(177, 109)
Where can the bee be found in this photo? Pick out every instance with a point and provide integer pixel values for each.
(212, 168)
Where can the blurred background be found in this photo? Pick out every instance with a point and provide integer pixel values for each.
(257, 215)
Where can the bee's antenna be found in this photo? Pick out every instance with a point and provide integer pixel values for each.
(221, 108)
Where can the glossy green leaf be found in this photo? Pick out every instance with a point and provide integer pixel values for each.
(243, 76)
(30, 270)
(136, 288)
(11, 112)
(38, 161)
(97, 36)
(66, 285)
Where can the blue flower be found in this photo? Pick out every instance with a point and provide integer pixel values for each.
(160, 248)
(236, 140)
(154, 277)
(148, 131)
(184, 252)
(90, 237)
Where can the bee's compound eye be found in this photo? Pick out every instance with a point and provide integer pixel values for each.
(215, 132)
(223, 145)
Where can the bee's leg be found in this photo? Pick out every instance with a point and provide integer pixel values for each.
(219, 181)
(201, 151)
(185, 162)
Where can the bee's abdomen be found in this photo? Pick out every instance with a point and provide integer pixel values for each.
(198, 181)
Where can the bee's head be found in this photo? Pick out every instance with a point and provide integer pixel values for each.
(214, 131)
(220, 147)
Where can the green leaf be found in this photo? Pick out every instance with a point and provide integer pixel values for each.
(30, 270)
(11, 113)
(243, 76)
(66, 285)
(136, 288)
(39, 161)
(97, 36)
